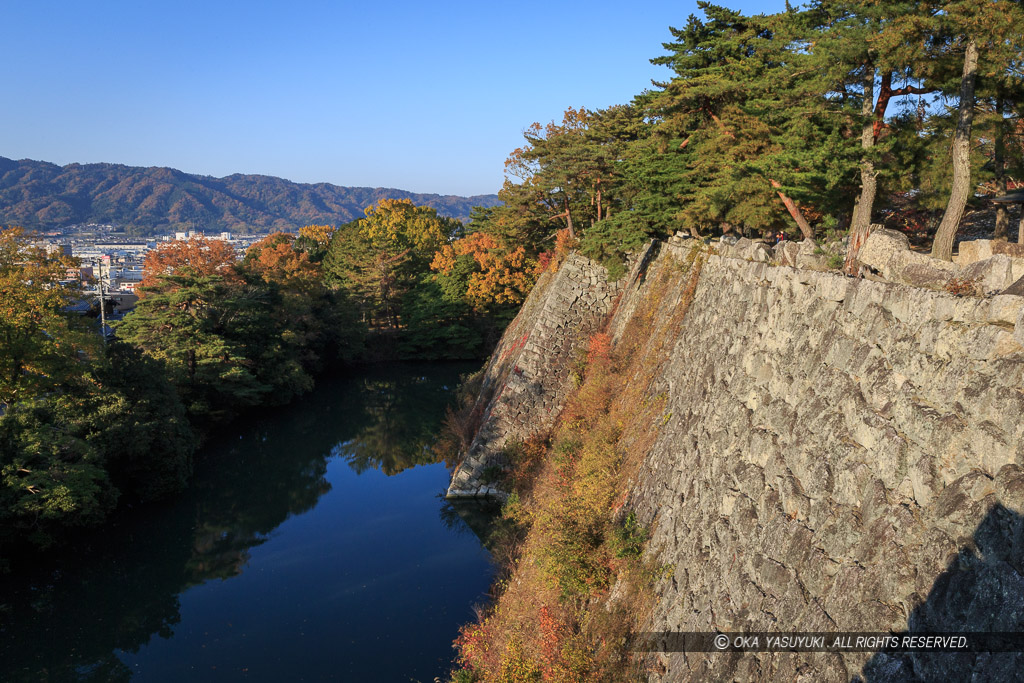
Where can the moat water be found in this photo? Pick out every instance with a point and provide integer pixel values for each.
(312, 545)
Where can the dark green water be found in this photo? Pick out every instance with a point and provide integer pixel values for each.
(312, 545)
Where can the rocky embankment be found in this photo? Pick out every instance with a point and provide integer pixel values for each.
(836, 454)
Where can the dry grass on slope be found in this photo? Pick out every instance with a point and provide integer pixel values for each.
(576, 579)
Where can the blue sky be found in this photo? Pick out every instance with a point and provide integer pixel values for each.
(428, 97)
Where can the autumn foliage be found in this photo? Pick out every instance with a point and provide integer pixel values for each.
(378, 259)
(550, 261)
(321, 234)
(398, 224)
(502, 276)
(200, 255)
(33, 330)
(275, 259)
(566, 536)
(80, 423)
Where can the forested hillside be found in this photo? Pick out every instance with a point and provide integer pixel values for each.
(41, 195)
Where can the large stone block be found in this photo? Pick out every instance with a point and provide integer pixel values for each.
(1005, 308)
(990, 275)
(808, 246)
(923, 272)
(786, 252)
(980, 250)
(888, 252)
(1017, 288)
(881, 247)
(811, 257)
(759, 252)
(1015, 252)
(1018, 330)
(973, 250)
(1011, 249)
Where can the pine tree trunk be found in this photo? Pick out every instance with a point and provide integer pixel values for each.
(858, 236)
(860, 226)
(868, 181)
(999, 161)
(942, 247)
(568, 220)
(1020, 226)
(794, 211)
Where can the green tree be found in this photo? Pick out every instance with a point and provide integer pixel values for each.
(874, 54)
(557, 176)
(51, 478)
(133, 415)
(314, 322)
(439, 323)
(191, 323)
(378, 258)
(747, 107)
(988, 36)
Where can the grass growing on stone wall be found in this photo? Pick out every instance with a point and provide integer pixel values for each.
(575, 582)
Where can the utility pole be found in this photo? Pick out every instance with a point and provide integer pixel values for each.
(103, 308)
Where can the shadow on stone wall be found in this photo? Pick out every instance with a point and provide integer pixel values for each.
(645, 263)
(982, 589)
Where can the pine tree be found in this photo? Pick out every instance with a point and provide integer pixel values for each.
(378, 258)
(748, 104)
(192, 323)
(989, 35)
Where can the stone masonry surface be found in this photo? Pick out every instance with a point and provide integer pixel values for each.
(528, 376)
(838, 455)
(835, 454)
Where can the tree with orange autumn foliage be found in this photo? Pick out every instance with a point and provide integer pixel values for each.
(275, 259)
(426, 289)
(318, 321)
(459, 306)
(233, 334)
(199, 255)
(502, 276)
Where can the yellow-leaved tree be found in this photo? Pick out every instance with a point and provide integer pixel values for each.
(39, 345)
(500, 275)
(320, 234)
(377, 258)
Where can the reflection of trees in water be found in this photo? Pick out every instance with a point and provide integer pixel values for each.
(219, 553)
(120, 586)
(235, 518)
(67, 624)
(400, 415)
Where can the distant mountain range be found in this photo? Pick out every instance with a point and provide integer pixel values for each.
(41, 195)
